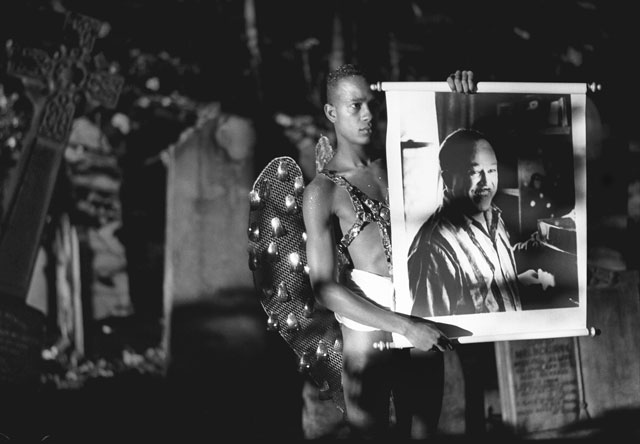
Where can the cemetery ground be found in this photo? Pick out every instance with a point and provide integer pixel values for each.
(227, 377)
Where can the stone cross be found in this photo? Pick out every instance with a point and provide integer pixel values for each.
(56, 83)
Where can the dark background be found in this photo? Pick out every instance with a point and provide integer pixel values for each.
(198, 49)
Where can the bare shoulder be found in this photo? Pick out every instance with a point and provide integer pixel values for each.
(318, 198)
(320, 188)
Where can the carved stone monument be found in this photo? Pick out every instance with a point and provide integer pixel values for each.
(209, 178)
(56, 82)
(563, 387)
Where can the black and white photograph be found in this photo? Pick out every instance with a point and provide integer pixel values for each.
(498, 273)
(301, 220)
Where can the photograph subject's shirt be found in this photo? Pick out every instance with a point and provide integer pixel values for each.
(456, 267)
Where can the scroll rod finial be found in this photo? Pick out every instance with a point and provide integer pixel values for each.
(594, 86)
(383, 345)
(376, 86)
(593, 331)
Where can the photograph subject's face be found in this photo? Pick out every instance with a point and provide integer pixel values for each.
(477, 181)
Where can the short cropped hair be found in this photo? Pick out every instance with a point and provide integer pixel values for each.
(343, 72)
(456, 147)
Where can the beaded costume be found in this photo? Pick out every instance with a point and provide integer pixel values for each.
(367, 210)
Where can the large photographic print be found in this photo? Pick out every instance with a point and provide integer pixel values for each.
(490, 242)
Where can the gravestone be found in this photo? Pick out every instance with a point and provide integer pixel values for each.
(540, 385)
(67, 74)
(21, 337)
(221, 356)
(560, 387)
(209, 178)
(55, 82)
(611, 361)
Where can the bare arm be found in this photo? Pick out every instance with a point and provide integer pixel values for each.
(321, 258)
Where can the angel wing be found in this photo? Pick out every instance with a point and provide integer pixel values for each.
(277, 258)
(324, 152)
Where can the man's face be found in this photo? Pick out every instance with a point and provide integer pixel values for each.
(352, 111)
(477, 180)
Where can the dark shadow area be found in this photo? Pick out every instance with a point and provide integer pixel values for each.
(227, 376)
(621, 424)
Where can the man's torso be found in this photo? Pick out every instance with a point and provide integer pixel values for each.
(483, 262)
(359, 203)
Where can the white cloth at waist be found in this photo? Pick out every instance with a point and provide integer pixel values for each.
(374, 287)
